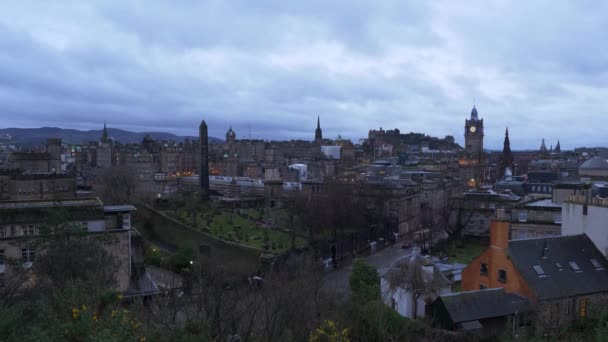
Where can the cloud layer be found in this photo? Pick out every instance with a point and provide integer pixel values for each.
(270, 67)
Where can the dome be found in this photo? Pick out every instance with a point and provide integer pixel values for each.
(595, 163)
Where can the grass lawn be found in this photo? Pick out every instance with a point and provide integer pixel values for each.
(465, 254)
(241, 229)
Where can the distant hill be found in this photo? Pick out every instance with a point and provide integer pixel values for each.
(36, 136)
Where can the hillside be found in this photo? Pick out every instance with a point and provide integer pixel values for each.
(35, 136)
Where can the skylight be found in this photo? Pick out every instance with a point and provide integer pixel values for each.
(574, 266)
(596, 264)
(539, 270)
(559, 266)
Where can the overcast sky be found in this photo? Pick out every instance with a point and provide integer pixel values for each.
(539, 67)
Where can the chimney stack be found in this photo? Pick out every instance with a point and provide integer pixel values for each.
(499, 230)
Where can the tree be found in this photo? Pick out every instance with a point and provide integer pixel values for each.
(456, 217)
(118, 184)
(416, 276)
(364, 281)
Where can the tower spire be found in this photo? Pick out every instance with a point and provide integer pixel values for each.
(104, 134)
(318, 132)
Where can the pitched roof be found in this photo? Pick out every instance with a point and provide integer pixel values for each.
(562, 266)
(482, 304)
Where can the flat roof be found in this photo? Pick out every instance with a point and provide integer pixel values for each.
(118, 208)
(50, 204)
(545, 202)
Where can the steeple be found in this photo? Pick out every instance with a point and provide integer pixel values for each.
(506, 160)
(318, 132)
(543, 147)
(104, 134)
(558, 148)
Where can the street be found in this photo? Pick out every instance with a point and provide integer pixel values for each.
(338, 280)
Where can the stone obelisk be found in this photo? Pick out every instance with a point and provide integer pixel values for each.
(203, 174)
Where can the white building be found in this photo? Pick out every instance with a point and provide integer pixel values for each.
(409, 277)
(579, 216)
(331, 151)
(302, 169)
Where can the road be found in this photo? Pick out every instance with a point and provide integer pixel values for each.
(337, 280)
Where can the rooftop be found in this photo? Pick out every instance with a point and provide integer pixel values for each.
(561, 266)
(50, 204)
(481, 304)
(543, 203)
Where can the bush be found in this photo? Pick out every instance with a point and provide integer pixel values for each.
(364, 281)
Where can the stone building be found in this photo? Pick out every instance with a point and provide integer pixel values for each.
(21, 220)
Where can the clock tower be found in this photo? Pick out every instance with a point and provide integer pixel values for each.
(472, 161)
(473, 133)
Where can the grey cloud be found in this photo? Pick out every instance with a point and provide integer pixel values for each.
(538, 67)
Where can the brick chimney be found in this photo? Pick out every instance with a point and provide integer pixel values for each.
(499, 230)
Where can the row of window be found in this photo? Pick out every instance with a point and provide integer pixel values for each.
(17, 230)
(28, 255)
(523, 217)
(502, 274)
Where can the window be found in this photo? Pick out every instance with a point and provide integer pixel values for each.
(2, 232)
(2, 281)
(523, 216)
(483, 269)
(557, 218)
(28, 229)
(1, 257)
(583, 311)
(539, 270)
(502, 276)
(27, 256)
(596, 264)
(482, 286)
(574, 266)
(559, 266)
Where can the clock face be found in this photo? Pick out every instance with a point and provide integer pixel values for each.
(472, 129)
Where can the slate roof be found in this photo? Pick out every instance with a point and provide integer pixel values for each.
(481, 304)
(552, 252)
(595, 163)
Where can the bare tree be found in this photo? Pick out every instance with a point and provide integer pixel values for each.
(117, 184)
(417, 277)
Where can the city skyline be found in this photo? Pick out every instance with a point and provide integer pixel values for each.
(275, 68)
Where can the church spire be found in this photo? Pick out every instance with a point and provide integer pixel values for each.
(543, 147)
(104, 134)
(506, 160)
(318, 132)
(558, 148)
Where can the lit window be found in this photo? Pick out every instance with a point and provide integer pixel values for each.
(583, 311)
(574, 266)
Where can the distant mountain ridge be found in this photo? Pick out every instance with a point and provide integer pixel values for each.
(36, 136)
